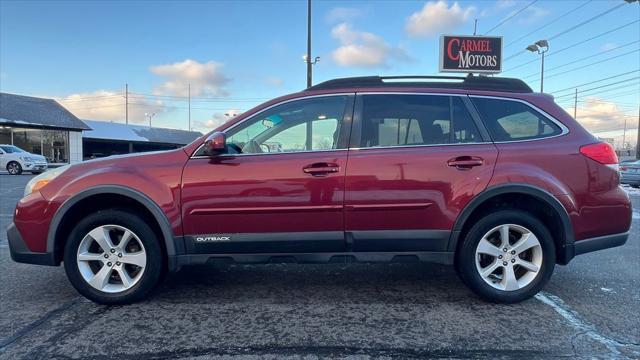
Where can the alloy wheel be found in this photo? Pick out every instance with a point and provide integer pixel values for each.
(111, 258)
(509, 257)
(13, 168)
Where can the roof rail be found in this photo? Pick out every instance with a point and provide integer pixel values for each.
(469, 82)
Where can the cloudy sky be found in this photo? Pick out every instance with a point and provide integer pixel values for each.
(238, 54)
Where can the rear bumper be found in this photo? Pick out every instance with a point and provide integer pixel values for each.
(600, 243)
(21, 253)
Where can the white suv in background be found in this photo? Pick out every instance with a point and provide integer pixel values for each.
(16, 160)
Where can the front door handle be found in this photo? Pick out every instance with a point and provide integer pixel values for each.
(321, 169)
(465, 162)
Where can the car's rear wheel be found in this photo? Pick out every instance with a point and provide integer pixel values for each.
(507, 256)
(14, 168)
(113, 257)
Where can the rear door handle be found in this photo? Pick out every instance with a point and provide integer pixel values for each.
(465, 162)
(321, 169)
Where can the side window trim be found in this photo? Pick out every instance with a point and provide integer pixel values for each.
(558, 123)
(347, 118)
(477, 120)
(356, 128)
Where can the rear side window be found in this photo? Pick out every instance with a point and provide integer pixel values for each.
(512, 120)
(400, 120)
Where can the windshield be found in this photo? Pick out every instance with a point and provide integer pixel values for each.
(9, 149)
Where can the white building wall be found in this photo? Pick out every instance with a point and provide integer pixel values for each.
(75, 146)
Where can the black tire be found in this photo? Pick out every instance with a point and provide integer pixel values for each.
(14, 168)
(466, 256)
(154, 262)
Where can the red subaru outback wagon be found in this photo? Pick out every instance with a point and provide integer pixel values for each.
(477, 172)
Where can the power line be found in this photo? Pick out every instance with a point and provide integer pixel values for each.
(89, 98)
(603, 86)
(595, 81)
(572, 28)
(594, 63)
(561, 17)
(584, 58)
(576, 44)
(220, 98)
(511, 17)
(614, 89)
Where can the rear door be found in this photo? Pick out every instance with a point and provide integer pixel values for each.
(415, 161)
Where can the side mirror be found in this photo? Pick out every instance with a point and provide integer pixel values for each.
(216, 143)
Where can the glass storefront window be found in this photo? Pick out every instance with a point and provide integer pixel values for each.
(28, 139)
(5, 135)
(52, 144)
(55, 145)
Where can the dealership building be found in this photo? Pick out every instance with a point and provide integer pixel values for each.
(43, 126)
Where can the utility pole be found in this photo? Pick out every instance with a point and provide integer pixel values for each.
(638, 138)
(309, 75)
(126, 103)
(624, 135)
(189, 107)
(575, 105)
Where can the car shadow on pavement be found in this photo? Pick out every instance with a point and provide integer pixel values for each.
(298, 283)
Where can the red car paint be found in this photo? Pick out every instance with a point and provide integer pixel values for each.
(374, 189)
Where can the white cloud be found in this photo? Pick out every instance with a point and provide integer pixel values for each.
(217, 119)
(343, 14)
(498, 6)
(274, 81)
(598, 115)
(205, 78)
(503, 4)
(436, 18)
(531, 15)
(363, 49)
(608, 46)
(110, 106)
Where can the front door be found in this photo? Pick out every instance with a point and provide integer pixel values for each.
(417, 161)
(279, 187)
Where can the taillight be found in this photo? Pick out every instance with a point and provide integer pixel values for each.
(601, 152)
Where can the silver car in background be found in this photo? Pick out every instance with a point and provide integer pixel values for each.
(630, 173)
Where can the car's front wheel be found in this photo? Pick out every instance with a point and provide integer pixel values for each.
(507, 256)
(14, 168)
(113, 257)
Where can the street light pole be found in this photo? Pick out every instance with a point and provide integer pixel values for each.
(541, 47)
(542, 74)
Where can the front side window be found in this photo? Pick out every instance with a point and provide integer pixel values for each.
(508, 120)
(301, 125)
(401, 120)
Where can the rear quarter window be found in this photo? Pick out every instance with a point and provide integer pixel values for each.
(508, 120)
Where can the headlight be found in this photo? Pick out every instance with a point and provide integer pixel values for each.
(26, 158)
(43, 179)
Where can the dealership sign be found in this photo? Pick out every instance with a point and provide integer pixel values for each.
(471, 54)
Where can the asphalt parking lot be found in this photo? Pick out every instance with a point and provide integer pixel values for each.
(589, 309)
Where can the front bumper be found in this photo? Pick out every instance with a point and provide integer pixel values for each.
(36, 166)
(21, 253)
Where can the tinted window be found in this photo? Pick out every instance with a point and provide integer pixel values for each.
(302, 125)
(392, 120)
(512, 120)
